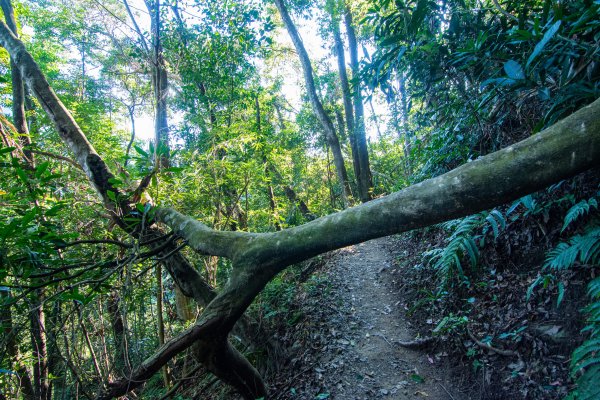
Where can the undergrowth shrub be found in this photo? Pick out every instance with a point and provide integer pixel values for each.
(582, 251)
(468, 236)
(456, 262)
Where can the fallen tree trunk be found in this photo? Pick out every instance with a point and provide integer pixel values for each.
(563, 150)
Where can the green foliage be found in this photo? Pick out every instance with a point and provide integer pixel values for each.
(585, 361)
(583, 249)
(468, 236)
(580, 250)
(450, 324)
(483, 74)
(579, 210)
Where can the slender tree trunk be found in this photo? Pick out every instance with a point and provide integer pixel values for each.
(40, 348)
(160, 86)
(270, 192)
(121, 358)
(330, 135)
(404, 121)
(131, 112)
(160, 321)
(365, 181)
(18, 88)
(10, 353)
(88, 342)
(340, 125)
(347, 97)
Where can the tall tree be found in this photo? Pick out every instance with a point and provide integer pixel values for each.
(155, 54)
(328, 128)
(18, 88)
(346, 94)
(365, 181)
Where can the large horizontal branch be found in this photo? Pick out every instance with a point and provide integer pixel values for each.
(203, 239)
(563, 150)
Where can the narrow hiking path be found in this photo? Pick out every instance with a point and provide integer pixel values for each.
(353, 351)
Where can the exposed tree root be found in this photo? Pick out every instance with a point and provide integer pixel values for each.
(415, 344)
(502, 352)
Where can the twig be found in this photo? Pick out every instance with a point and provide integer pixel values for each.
(486, 346)
(446, 390)
(56, 157)
(381, 335)
(504, 12)
(180, 382)
(98, 241)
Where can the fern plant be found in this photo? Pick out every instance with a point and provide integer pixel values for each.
(583, 250)
(578, 210)
(468, 236)
(585, 360)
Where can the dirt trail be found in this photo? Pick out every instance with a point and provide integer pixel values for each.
(363, 359)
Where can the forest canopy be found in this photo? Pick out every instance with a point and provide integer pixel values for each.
(162, 162)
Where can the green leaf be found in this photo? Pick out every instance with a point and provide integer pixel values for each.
(542, 43)
(391, 40)
(561, 293)
(140, 151)
(41, 168)
(5, 150)
(173, 169)
(514, 70)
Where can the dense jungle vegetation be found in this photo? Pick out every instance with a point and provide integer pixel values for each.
(200, 148)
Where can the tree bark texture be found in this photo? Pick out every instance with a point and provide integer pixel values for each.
(317, 106)
(347, 97)
(121, 356)
(39, 346)
(160, 321)
(160, 85)
(10, 353)
(365, 181)
(18, 88)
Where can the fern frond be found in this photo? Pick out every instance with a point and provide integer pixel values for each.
(496, 221)
(587, 385)
(461, 243)
(585, 355)
(578, 210)
(562, 256)
(594, 288)
(586, 358)
(529, 202)
(585, 248)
